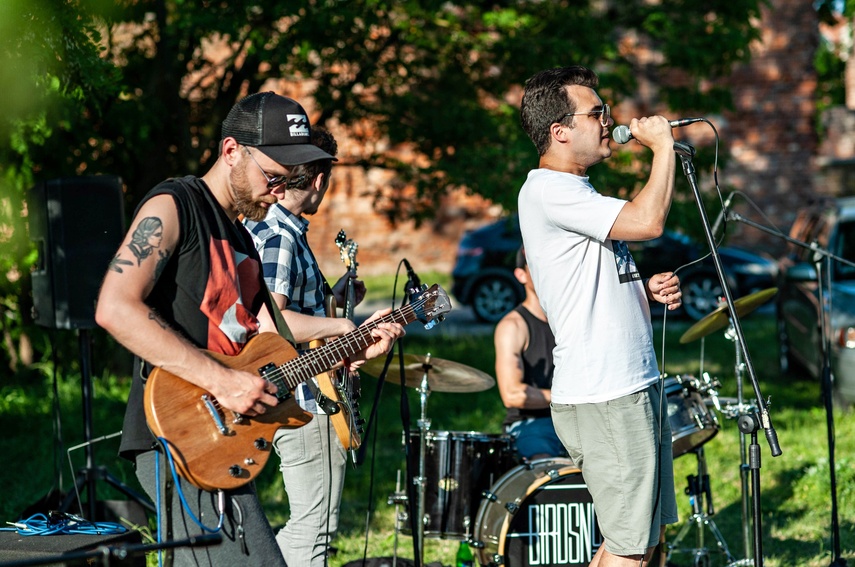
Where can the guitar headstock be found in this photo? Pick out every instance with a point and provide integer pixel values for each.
(347, 250)
(430, 305)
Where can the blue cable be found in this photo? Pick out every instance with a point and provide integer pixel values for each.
(181, 492)
(58, 524)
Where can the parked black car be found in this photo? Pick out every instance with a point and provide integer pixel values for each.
(830, 225)
(483, 273)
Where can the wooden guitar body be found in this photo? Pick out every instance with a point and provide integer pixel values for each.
(223, 450)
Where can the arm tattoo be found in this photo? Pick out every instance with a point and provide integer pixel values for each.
(163, 259)
(146, 237)
(156, 318)
(116, 264)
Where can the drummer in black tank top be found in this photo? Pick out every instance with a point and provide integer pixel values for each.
(524, 367)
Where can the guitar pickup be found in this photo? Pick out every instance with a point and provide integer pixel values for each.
(281, 393)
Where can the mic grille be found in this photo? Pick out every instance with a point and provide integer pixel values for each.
(621, 134)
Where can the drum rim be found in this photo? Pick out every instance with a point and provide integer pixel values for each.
(564, 464)
(451, 433)
(546, 479)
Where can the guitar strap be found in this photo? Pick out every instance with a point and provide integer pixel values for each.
(281, 325)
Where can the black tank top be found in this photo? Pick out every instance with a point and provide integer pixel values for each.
(210, 290)
(538, 366)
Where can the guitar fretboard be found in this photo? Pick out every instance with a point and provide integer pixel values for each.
(321, 359)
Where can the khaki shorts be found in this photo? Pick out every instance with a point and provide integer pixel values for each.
(627, 465)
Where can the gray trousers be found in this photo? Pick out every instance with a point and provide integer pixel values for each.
(313, 463)
(247, 536)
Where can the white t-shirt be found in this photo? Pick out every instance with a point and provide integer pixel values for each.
(589, 288)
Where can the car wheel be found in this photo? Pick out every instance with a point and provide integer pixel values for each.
(493, 298)
(701, 291)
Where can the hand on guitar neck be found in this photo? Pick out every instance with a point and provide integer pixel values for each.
(349, 291)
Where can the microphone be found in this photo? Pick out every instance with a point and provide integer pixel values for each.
(414, 280)
(723, 213)
(622, 134)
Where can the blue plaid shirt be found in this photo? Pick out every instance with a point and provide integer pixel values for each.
(290, 269)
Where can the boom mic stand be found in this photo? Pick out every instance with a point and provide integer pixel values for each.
(826, 375)
(686, 152)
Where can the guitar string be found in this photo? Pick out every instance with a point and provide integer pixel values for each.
(312, 363)
(337, 347)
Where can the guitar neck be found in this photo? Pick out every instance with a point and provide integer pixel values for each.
(321, 359)
(349, 300)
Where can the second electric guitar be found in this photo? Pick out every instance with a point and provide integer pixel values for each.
(341, 386)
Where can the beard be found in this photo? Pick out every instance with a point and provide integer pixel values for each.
(245, 204)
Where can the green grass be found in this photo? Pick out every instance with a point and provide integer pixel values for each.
(794, 487)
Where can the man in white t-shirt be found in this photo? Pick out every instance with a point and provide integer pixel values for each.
(606, 391)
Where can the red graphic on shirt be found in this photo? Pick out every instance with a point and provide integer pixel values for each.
(232, 285)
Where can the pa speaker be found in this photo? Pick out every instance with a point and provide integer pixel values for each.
(77, 224)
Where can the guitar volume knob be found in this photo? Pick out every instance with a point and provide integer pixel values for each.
(234, 471)
(261, 444)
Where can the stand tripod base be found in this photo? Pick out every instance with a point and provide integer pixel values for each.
(701, 555)
(95, 510)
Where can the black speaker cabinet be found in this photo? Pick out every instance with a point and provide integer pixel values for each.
(77, 224)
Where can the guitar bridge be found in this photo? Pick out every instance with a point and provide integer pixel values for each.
(215, 415)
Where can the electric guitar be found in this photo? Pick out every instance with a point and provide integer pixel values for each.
(215, 448)
(340, 386)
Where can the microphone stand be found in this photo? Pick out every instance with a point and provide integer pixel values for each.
(827, 378)
(686, 152)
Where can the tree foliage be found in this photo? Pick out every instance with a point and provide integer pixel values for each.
(138, 88)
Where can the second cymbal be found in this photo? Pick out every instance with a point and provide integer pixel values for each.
(443, 375)
(719, 318)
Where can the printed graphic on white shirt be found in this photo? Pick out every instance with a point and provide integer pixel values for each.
(627, 271)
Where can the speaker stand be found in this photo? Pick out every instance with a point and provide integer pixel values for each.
(87, 477)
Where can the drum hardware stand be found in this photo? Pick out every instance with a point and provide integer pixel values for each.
(397, 498)
(826, 378)
(424, 427)
(742, 410)
(685, 152)
(698, 489)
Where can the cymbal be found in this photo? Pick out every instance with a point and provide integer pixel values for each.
(443, 375)
(720, 318)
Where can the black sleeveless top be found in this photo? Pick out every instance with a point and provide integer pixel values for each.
(210, 290)
(538, 366)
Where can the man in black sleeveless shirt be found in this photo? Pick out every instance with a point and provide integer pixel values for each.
(524, 367)
(187, 277)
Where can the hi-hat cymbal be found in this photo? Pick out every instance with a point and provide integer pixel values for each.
(443, 375)
(720, 318)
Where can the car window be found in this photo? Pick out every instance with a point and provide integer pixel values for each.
(844, 246)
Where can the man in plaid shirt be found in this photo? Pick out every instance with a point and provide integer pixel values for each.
(292, 273)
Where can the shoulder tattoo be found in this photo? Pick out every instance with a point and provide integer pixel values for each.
(146, 238)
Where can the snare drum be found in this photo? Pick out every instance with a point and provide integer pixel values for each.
(539, 513)
(692, 423)
(459, 465)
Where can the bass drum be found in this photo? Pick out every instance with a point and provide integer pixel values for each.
(539, 513)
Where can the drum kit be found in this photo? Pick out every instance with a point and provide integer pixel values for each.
(471, 487)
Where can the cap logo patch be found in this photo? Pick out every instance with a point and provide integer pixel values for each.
(301, 126)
